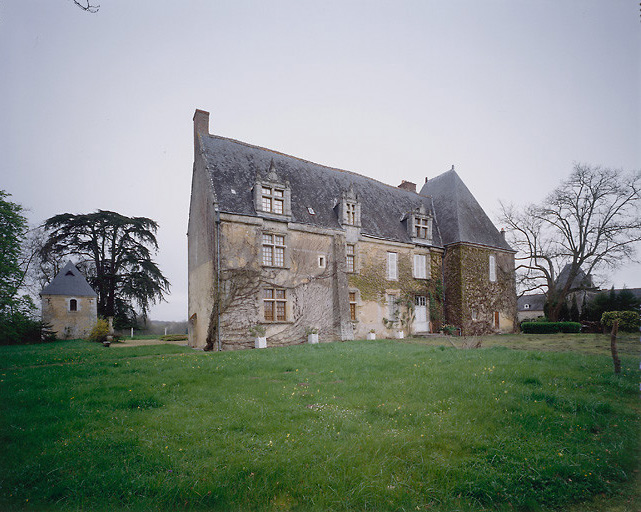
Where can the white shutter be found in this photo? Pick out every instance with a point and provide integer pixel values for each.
(392, 273)
(492, 268)
(420, 266)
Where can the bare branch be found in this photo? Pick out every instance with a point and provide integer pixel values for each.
(86, 6)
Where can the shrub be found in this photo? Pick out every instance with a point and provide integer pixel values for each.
(628, 320)
(19, 329)
(100, 331)
(258, 331)
(550, 327)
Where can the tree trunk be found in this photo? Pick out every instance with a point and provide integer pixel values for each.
(613, 346)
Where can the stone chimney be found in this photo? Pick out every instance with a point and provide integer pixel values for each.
(201, 122)
(503, 233)
(408, 185)
(201, 127)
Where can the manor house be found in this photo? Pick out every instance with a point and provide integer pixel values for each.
(290, 245)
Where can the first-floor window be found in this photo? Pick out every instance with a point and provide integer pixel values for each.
(492, 268)
(392, 266)
(73, 305)
(275, 304)
(351, 258)
(352, 306)
(420, 266)
(273, 250)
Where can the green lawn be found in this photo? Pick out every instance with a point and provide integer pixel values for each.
(382, 425)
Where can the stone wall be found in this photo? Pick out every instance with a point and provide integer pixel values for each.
(472, 300)
(66, 323)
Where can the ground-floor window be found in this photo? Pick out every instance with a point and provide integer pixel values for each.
(275, 304)
(352, 306)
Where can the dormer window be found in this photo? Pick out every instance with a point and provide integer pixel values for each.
(419, 225)
(350, 214)
(422, 227)
(272, 195)
(273, 199)
(349, 209)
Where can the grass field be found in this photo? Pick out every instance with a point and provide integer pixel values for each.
(383, 425)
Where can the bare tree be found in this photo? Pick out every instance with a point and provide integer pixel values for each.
(591, 221)
(87, 6)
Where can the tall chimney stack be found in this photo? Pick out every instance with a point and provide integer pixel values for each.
(201, 122)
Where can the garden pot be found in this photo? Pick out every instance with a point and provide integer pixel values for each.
(371, 335)
(261, 342)
(312, 338)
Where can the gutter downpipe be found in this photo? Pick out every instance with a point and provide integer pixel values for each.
(217, 220)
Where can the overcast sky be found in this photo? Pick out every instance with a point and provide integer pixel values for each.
(96, 109)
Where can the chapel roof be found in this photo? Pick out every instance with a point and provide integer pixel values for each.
(69, 281)
(459, 216)
(233, 167)
(581, 281)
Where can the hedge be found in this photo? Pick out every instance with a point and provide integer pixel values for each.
(550, 327)
(628, 320)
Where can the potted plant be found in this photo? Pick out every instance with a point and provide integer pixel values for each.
(312, 335)
(258, 332)
(371, 335)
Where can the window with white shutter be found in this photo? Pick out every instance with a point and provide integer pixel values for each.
(392, 266)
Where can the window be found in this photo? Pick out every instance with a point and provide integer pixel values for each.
(350, 258)
(420, 266)
(73, 305)
(352, 306)
(474, 315)
(273, 199)
(392, 307)
(422, 228)
(273, 250)
(392, 266)
(350, 214)
(526, 306)
(275, 304)
(321, 262)
(492, 268)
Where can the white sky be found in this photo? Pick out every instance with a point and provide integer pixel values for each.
(96, 109)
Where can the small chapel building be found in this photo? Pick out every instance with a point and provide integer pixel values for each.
(69, 304)
(294, 246)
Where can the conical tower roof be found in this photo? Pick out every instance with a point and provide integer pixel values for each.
(69, 281)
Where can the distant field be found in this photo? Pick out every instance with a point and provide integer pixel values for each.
(383, 425)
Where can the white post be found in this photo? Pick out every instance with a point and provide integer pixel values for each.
(132, 333)
(165, 331)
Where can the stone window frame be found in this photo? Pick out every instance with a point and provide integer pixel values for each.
(273, 247)
(277, 299)
(272, 199)
(350, 257)
(73, 301)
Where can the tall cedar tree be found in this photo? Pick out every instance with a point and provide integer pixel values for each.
(116, 253)
(589, 222)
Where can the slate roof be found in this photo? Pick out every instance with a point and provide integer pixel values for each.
(582, 280)
(459, 216)
(69, 281)
(233, 167)
(536, 302)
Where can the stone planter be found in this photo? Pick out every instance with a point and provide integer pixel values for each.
(371, 335)
(106, 343)
(312, 339)
(399, 335)
(260, 342)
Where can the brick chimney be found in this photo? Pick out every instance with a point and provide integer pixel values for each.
(408, 185)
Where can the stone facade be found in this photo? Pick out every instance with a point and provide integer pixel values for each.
(69, 323)
(294, 247)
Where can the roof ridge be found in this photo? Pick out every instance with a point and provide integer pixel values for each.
(254, 146)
